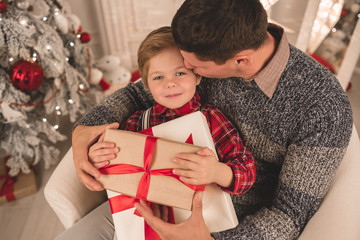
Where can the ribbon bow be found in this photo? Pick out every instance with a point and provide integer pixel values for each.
(7, 188)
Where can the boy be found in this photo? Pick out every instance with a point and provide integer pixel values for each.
(174, 89)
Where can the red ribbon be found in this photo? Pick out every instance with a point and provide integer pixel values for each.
(143, 187)
(122, 202)
(7, 188)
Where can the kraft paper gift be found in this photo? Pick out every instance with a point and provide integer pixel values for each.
(218, 209)
(12, 188)
(164, 188)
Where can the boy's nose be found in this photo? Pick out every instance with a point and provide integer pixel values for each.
(170, 83)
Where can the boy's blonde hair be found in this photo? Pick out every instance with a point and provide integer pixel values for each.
(152, 45)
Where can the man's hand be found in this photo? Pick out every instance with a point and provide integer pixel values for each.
(203, 168)
(82, 138)
(192, 228)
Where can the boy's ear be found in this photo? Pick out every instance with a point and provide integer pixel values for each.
(198, 79)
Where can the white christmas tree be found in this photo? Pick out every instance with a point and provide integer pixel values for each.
(44, 66)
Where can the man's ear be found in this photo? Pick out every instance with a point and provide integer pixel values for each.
(241, 58)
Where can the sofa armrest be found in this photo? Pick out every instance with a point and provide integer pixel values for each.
(339, 214)
(67, 196)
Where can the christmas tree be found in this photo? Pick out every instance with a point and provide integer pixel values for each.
(44, 76)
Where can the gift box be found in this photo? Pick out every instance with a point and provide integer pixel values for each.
(218, 209)
(129, 175)
(12, 188)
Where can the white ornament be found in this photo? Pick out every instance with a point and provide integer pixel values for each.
(57, 83)
(10, 114)
(108, 62)
(38, 9)
(96, 76)
(114, 74)
(59, 66)
(22, 4)
(61, 21)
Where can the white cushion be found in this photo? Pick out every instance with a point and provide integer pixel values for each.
(67, 196)
(339, 214)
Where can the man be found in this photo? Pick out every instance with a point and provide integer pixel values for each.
(291, 111)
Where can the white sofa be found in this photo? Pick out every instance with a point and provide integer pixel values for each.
(337, 218)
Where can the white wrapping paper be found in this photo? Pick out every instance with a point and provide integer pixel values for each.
(218, 209)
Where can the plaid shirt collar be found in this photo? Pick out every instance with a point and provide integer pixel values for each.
(268, 78)
(192, 106)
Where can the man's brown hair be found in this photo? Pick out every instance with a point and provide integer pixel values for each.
(216, 30)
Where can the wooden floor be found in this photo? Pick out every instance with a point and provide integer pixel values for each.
(30, 218)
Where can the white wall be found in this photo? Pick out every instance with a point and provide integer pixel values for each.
(86, 11)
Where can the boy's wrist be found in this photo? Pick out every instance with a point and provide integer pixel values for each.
(224, 175)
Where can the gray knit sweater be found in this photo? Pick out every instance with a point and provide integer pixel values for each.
(298, 137)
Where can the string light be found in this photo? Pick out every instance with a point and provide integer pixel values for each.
(44, 19)
(56, 127)
(34, 57)
(328, 14)
(23, 22)
(72, 44)
(71, 101)
(44, 120)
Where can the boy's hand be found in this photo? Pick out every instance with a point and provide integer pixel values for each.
(203, 168)
(82, 138)
(102, 152)
(200, 168)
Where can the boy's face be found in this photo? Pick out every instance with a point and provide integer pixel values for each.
(170, 82)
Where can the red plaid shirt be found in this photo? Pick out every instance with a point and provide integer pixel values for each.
(228, 144)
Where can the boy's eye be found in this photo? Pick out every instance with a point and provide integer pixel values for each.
(180, 73)
(158, 78)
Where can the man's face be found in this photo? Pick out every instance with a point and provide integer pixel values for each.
(209, 68)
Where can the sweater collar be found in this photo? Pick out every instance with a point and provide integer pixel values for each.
(268, 78)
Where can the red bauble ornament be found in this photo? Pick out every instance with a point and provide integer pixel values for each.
(79, 30)
(85, 37)
(344, 12)
(26, 76)
(3, 6)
